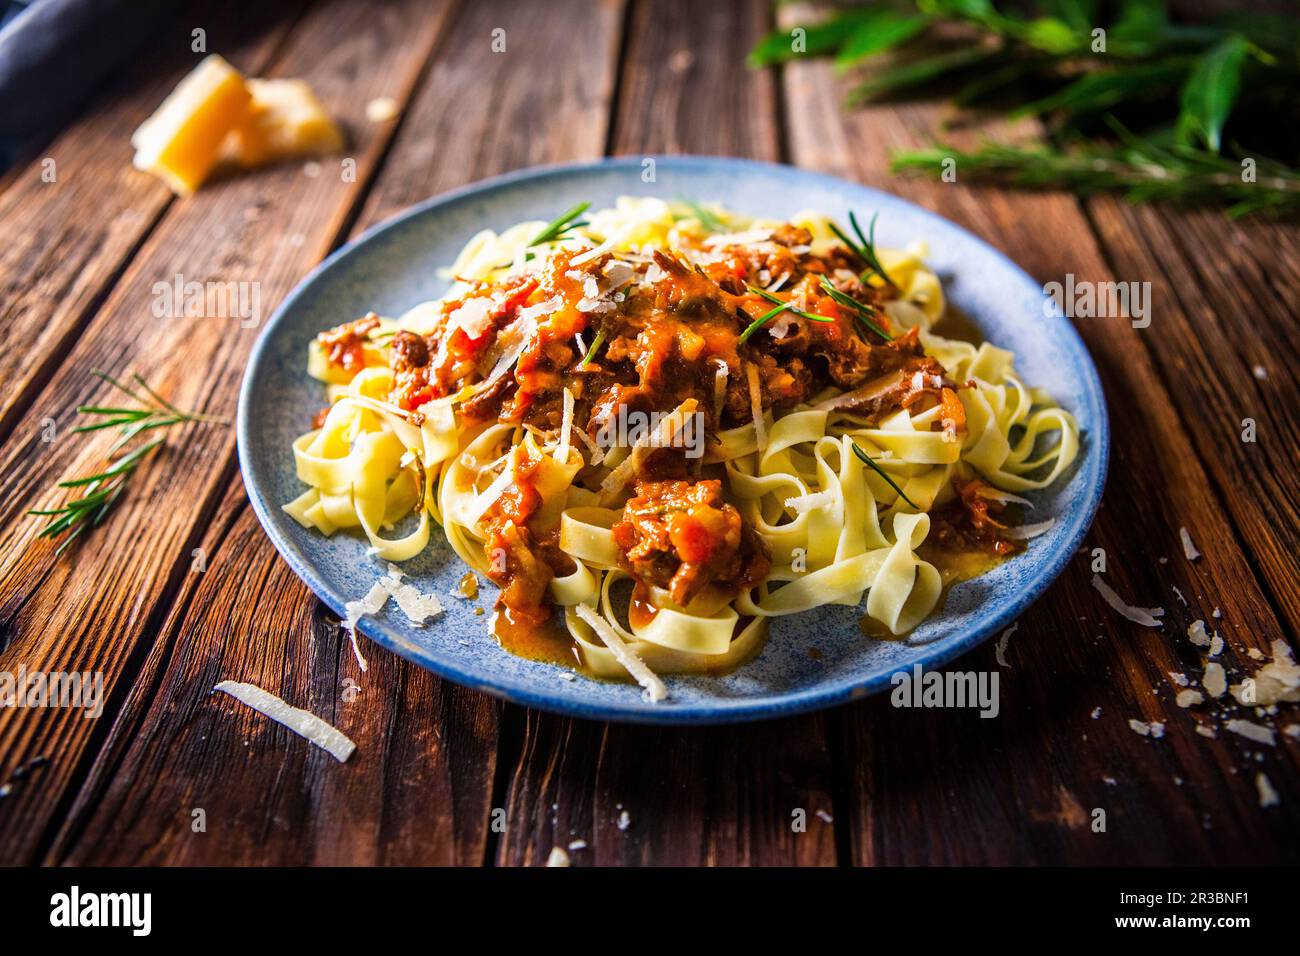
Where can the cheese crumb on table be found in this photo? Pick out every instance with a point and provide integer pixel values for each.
(381, 109)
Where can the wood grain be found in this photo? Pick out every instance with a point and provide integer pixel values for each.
(1022, 788)
(685, 87)
(1225, 338)
(57, 263)
(267, 229)
(427, 746)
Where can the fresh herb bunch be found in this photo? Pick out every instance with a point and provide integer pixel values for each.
(101, 491)
(1132, 100)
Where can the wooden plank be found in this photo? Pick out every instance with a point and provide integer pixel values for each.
(1225, 298)
(727, 796)
(57, 263)
(100, 606)
(543, 100)
(930, 787)
(685, 87)
(419, 788)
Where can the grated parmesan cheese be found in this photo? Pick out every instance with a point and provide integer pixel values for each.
(302, 722)
(1275, 682)
(1197, 635)
(1189, 698)
(1267, 795)
(1252, 731)
(558, 857)
(1189, 549)
(1215, 681)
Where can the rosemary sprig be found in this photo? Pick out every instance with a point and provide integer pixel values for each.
(101, 493)
(102, 490)
(862, 312)
(1141, 171)
(707, 219)
(1185, 88)
(762, 320)
(865, 248)
(560, 227)
(871, 463)
(596, 343)
(789, 305)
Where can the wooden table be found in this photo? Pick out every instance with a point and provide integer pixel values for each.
(878, 785)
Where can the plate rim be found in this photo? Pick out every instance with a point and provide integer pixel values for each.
(733, 710)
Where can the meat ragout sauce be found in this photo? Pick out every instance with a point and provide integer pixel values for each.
(665, 329)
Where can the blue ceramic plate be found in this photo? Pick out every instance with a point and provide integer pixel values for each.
(395, 265)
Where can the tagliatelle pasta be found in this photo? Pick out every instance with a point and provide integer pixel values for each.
(666, 425)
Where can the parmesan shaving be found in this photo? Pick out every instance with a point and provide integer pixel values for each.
(301, 722)
(1000, 650)
(805, 503)
(738, 238)
(719, 388)
(1027, 531)
(1196, 634)
(654, 687)
(374, 599)
(668, 429)
(1147, 617)
(566, 426)
(1189, 698)
(597, 453)
(606, 246)
(1005, 497)
(1189, 549)
(416, 605)
(756, 406)
(486, 498)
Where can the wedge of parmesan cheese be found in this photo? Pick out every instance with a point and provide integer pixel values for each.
(284, 120)
(179, 143)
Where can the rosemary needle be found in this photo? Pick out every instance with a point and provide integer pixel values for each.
(863, 313)
(596, 343)
(789, 305)
(865, 248)
(871, 463)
